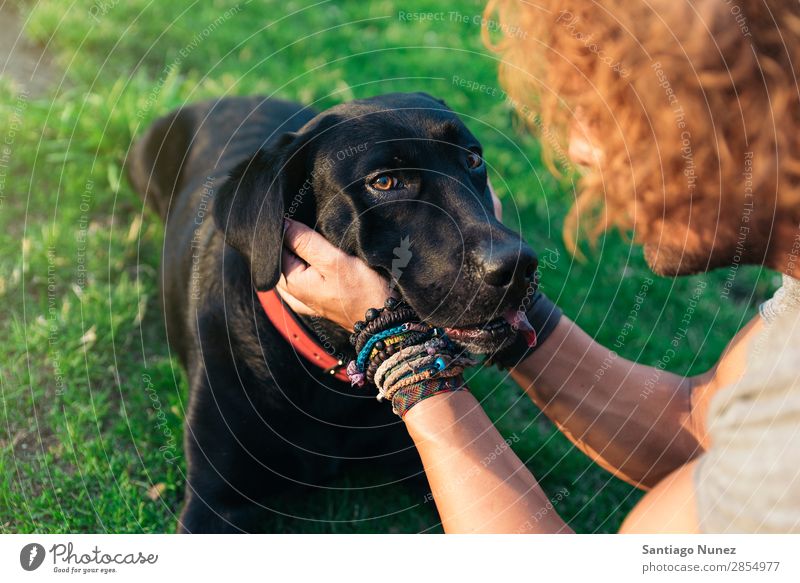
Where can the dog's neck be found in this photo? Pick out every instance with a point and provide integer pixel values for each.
(334, 339)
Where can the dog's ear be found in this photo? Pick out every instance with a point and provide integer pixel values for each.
(249, 206)
(432, 98)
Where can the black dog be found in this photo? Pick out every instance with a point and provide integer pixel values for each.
(373, 176)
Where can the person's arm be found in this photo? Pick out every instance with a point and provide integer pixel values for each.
(669, 508)
(636, 421)
(481, 486)
(477, 481)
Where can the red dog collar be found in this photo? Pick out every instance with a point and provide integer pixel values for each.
(295, 334)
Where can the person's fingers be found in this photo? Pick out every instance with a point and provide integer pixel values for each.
(296, 275)
(296, 305)
(291, 264)
(309, 245)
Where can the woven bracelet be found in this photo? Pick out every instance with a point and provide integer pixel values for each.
(404, 399)
(407, 354)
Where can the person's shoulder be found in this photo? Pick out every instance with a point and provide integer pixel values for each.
(748, 481)
(779, 341)
(771, 370)
(785, 299)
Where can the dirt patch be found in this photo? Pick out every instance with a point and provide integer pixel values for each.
(21, 60)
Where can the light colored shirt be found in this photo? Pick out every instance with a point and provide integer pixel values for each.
(749, 479)
(785, 299)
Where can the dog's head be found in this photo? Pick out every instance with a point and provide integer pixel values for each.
(399, 181)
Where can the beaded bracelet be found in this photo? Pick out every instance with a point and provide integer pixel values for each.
(390, 324)
(376, 319)
(385, 320)
(363, 354)
(375, 362)
(406, 359)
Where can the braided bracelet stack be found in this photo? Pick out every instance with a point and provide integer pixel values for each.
(406, 359)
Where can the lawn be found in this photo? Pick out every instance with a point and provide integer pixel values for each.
(92, 403)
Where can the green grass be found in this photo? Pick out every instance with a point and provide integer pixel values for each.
(82, 440)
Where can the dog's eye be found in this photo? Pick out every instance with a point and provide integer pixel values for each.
(385, 182)
(474, 160)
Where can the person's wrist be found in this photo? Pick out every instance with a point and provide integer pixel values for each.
(407, 398)
(434, 413)
(407, 360)
(446, 418)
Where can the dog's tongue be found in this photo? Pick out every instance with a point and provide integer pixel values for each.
(519, 322)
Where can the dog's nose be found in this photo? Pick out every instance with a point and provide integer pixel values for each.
(509, 263)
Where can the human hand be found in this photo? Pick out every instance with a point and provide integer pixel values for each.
(320, 279)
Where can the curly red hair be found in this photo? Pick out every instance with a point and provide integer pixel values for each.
(694, 105)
